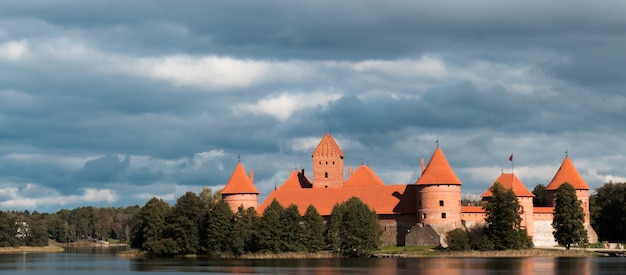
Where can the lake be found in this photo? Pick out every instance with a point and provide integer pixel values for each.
(103, 262)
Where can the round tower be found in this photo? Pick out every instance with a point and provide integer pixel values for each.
(240, 190)
(568, 173)
(439, 193)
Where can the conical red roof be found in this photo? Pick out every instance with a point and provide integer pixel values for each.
(363, 176)
(239, 183)
(567, 173)
(510, 181)
(438, 171)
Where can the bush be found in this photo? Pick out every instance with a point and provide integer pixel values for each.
(458, 240)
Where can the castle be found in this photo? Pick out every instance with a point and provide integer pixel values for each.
(410, 214)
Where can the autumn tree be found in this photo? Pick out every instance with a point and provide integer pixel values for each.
(569, 218)
(504, 219)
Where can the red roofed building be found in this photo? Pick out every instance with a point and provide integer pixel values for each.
(525, 198)
(240, 190)
(409, 214)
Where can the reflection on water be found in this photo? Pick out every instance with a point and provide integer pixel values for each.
(104, 262)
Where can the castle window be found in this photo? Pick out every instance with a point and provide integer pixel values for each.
(325, 175)
(424, 216)
(443, 215)
(441, 203)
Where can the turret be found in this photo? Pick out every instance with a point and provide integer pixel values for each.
(568, 173)
(240, 190)
(327, 164)
(525, 198)
(439, 193)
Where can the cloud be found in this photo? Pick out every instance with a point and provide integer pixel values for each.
(283, 106)
(13, 50)
(34, 196)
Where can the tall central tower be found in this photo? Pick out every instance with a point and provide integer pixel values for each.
(327, 164)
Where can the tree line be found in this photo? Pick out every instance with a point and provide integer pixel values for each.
(66, 226)
(206, 225)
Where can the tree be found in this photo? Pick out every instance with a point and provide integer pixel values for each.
(540, 195)
(243, 238)
(184, 223)
(149, 230)
(458, 239)
(503, 220)
(313, 228)
(608, 211)
(219, 227)
(269, 231)
(569, 218)
(354, 229)
(290, 230)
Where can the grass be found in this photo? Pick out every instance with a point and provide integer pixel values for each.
(431, 251)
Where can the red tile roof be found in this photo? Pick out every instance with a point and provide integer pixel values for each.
(472, 209)
(239, 183)
(438, 171)
(567, 173)
(363, 176)
(385, 199)
(510, 181)
(328, 138)
(543, 210)
(296, 180)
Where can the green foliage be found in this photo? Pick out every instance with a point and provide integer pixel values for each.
(313, 228)
(219, 228)
(608, 212)
(503, 220)
(290, 230)
(150, 226)
(354, 229)
(458, 240)
(184, 223)
(245, 225)
(569, 218)
(269, 231)
(540, 198)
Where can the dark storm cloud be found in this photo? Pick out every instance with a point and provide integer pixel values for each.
(113, 102)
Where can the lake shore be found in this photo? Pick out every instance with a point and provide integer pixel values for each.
(410, 253)
(31, 249)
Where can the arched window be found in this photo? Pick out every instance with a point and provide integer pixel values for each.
(325, 175)
(441, 203)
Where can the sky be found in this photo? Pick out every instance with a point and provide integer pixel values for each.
(110, 103)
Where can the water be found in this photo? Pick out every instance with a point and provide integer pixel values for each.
(105, 262)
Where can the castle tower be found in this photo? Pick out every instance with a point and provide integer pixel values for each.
(568, 173)
(525, 198)
(439, 193)
(240, 190)
(327, 164)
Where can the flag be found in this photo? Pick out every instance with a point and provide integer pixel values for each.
(511, 157)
